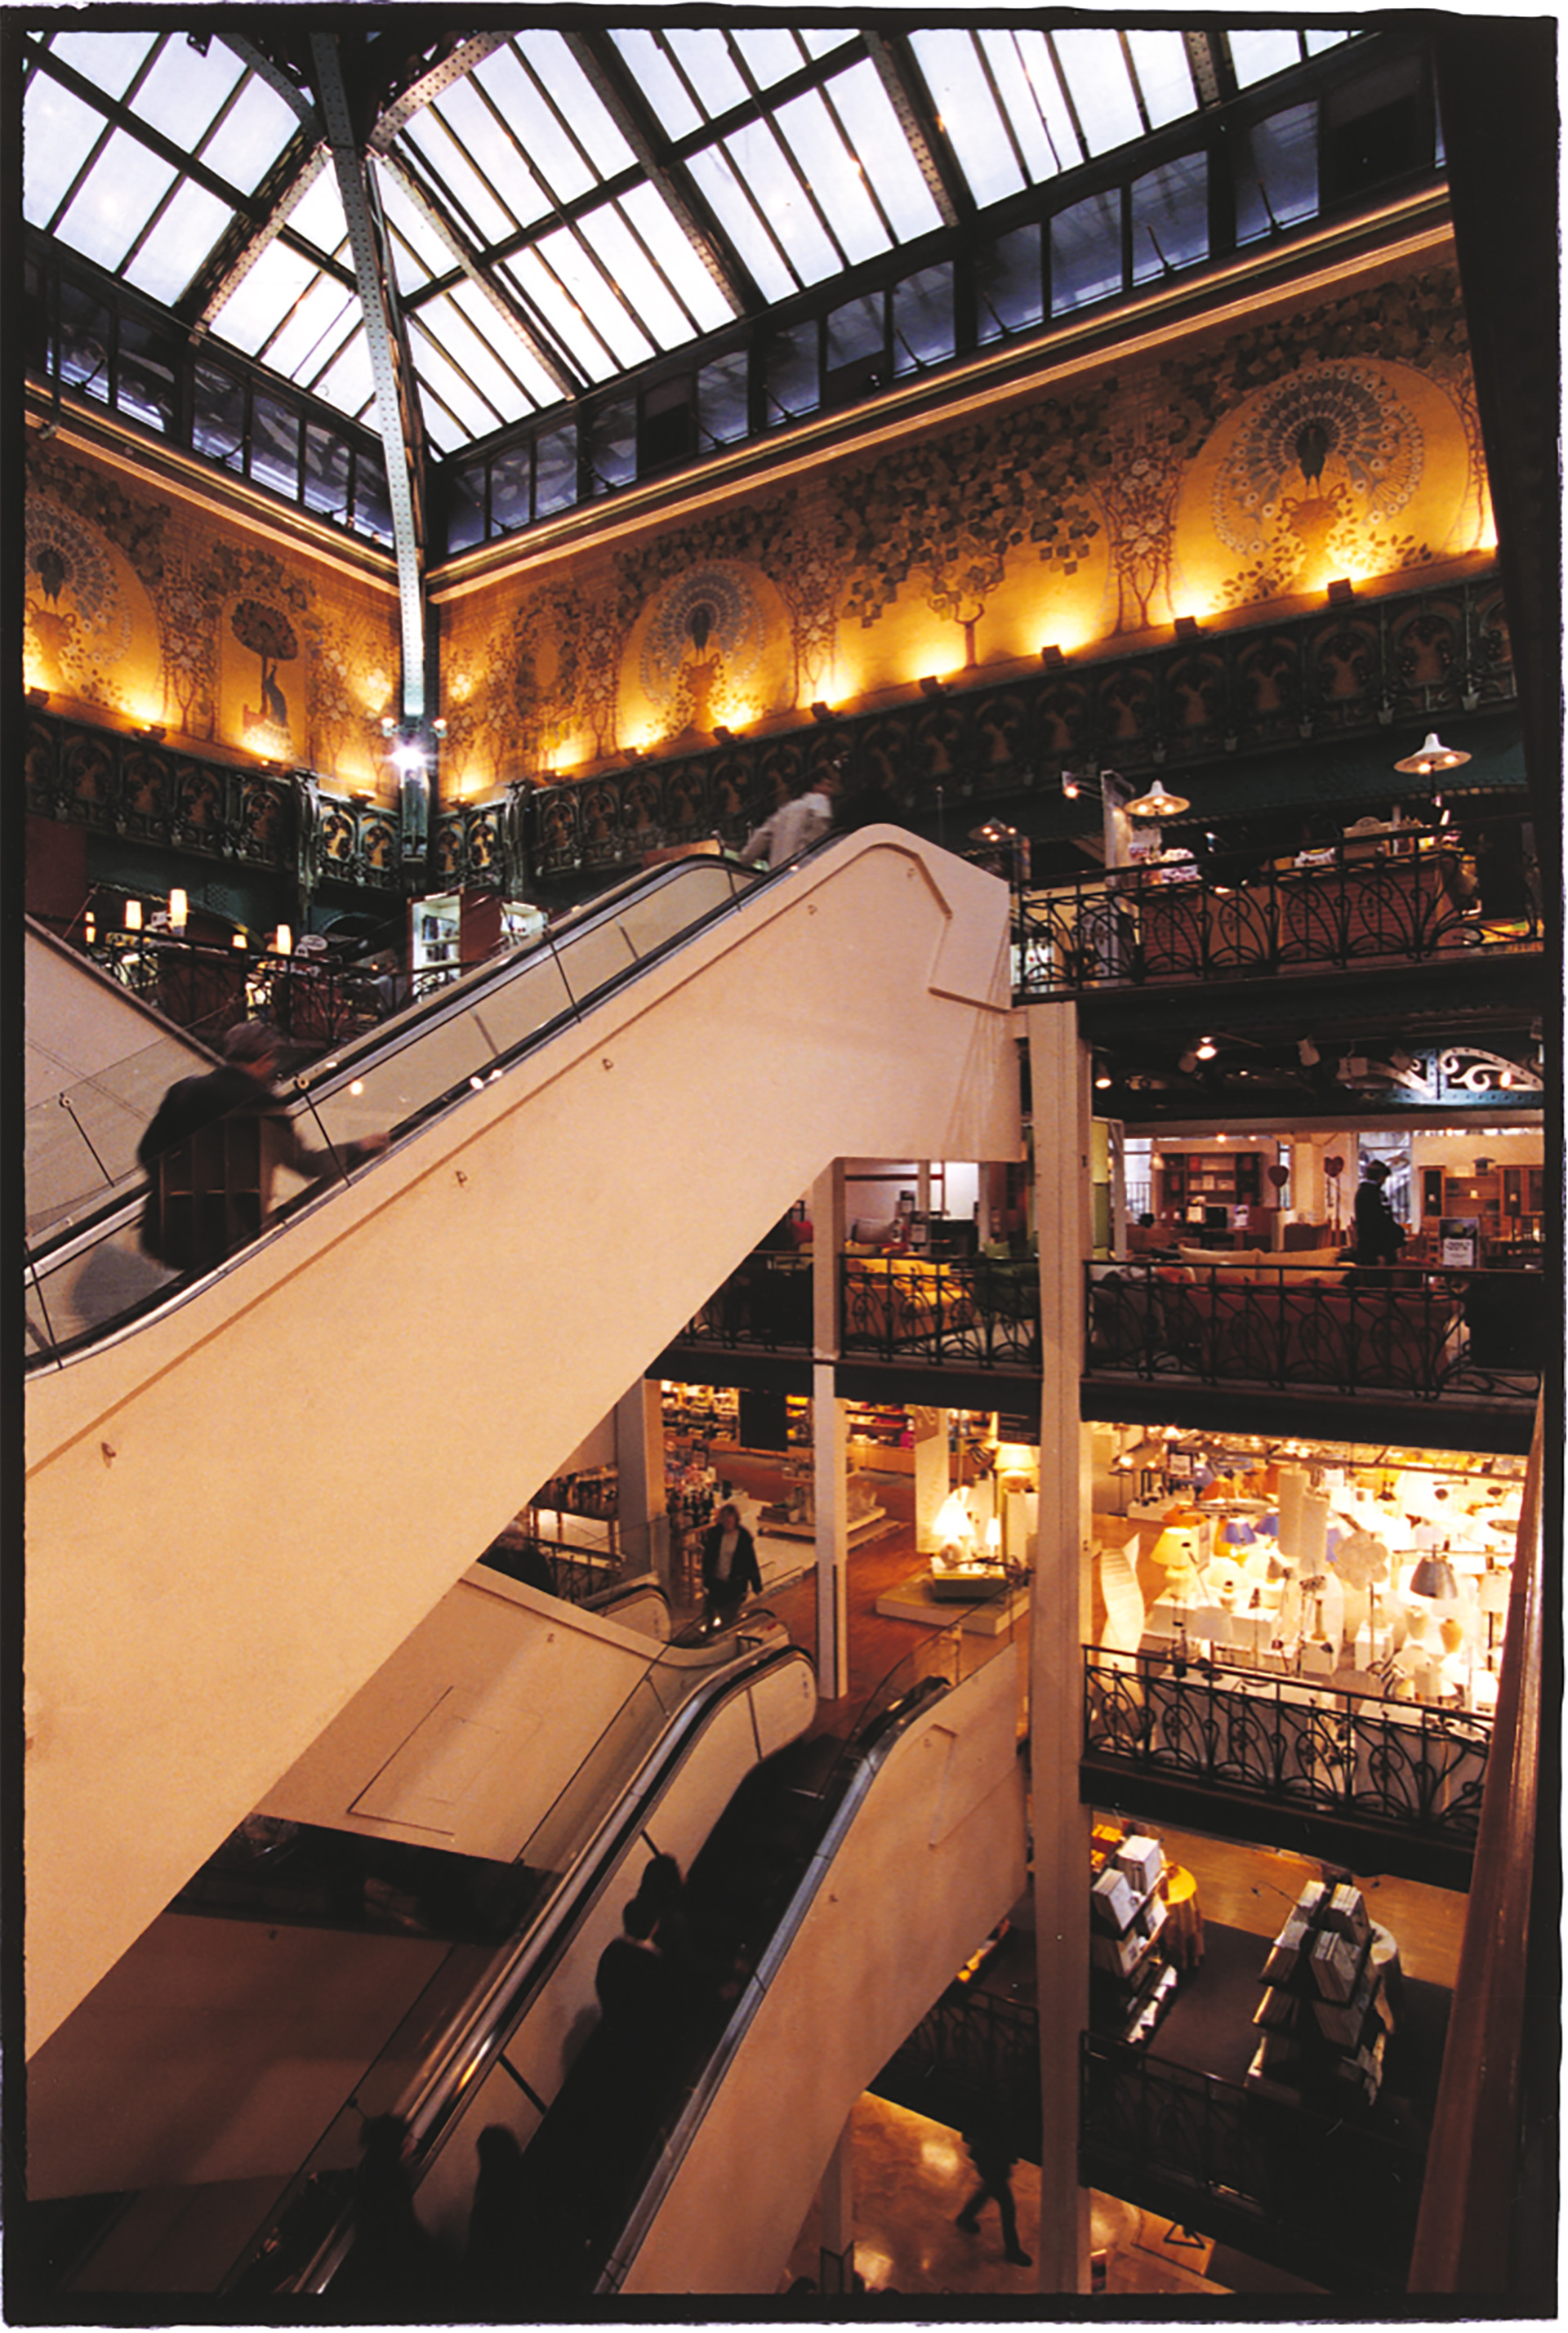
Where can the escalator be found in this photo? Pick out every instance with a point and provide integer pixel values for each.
(272, 1473)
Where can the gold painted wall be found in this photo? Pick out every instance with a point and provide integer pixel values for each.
(1229, 475)
(149, 606)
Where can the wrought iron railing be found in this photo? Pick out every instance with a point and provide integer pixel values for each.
(1347, 1755)
(1420, 1334)
(980, 1314)
(1276, 2179)
(1405, 895)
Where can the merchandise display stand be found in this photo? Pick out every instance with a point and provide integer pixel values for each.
(1131, 1984)
(1327, 2007)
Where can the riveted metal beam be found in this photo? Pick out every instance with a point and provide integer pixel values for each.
(397, 415)
(895, 70)
(430, 85)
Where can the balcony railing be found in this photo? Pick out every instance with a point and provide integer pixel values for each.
(1350, 1756)
(1404, 895)
(1333, 2198)
(1422, 1335)
(981, 1314)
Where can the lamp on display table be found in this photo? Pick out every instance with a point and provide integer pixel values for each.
(958, 1575)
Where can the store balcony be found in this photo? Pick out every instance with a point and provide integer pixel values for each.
(1374, 1783)
(1385, 896)
(1442, 1341)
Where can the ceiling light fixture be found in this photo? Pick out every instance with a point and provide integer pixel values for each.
(1158, 803)
(1206, 1049)
(1433, 755)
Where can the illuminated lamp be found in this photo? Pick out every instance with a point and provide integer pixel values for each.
(133, 915)
(1157, 803)
(1205, 1049)
(1433, 755)
(283, 941)
(178, 909)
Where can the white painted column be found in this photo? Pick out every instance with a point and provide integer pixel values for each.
(1117, 1136)
(644, 1524)
(830, 1438)
(929, 1427)
(1060, 1071)
(836, 2251)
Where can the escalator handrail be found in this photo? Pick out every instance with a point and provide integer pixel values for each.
(110, 1220)
(870, 1752)
(474, 2036)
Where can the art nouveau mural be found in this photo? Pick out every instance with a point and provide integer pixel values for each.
(1225, 478)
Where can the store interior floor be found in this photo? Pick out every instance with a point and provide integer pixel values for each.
(911, 2176)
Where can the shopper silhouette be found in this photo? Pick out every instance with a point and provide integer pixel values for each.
(729, 1567)
(993, 2154)
(1379, 1235)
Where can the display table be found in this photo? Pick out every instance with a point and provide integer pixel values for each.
(915, 1601)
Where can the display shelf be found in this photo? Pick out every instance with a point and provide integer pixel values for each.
(1130, 1983)
(1326, 2008)
(1231, 1178)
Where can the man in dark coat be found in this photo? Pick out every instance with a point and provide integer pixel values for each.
(1379, 1235)
(212, 1148)
(729, 1567)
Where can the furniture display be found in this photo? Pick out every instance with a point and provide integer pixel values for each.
(1229, 1178)
(1130, 1981)
(1327, 2007)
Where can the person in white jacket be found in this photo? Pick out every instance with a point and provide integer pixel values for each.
(795, 825)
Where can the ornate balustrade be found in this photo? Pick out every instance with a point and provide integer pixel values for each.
(1346, 1755)
(1422, 1335)
(1411, 895)
(1329, 2197)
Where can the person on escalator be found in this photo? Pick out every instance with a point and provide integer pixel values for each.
(729, 1568)
(795, 825)
(204, 1200)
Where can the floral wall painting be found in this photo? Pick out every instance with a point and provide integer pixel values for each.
(1352, 468)
(712, 649)
(90, 628)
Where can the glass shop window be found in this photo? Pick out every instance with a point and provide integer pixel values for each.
(1170, 217)
(790, 387)
(854, 349)
(86, 329)
(1276, 181)
(1009, 293)
(923, 331)
(274, 452)
(722, 404)
(465, 508)
(612, 446)
(1086, 252)
(512, 488)
(327, 473)
(147, 375)
(218, 415)
(555, 470)
(372, 498)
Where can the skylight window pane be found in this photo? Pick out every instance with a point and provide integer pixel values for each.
(487, 222)
(110, 60)
(650, 215)
(479, 355)
(318, 215)
(492, 152)
(704, 58)
(884, 151)
(1170, 217)
(765, 168)
(308, 328)
(539, 290)
(625, 262)
(1002, 54)
(255, 130)
(178, 244)
(1067, 147)
(460, 398)
(825, 39)
(537, 126)
(1164, 75)
(951, 66)
(488, 325)
(1317, 42)
(263, 295)
(419, 251)
(608, 316)
(59, 130)
(182, 93)
(1095, 72)
(579, 101)
(771, 53)
(1281, 186)
(737, 213)
(1258, 53)
(818, 147)
(349, 382)
(657, 79)
(1086, 251)
(124, 188)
